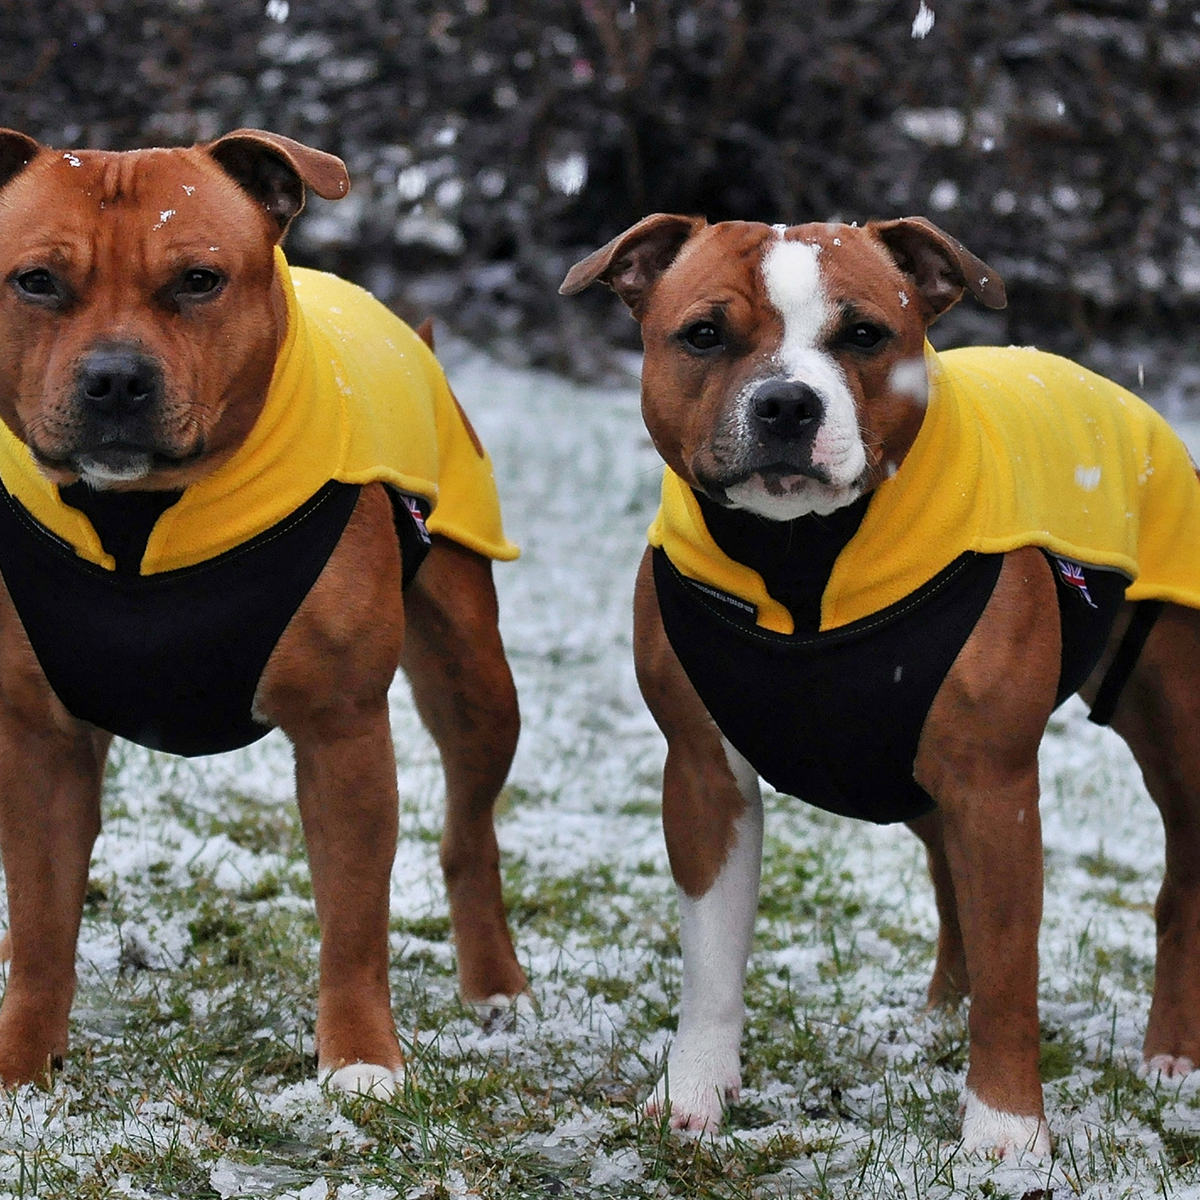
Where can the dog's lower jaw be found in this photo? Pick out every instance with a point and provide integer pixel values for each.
(715, 931)
(100, 474)
(988, 1131)
(782, 497)
(807, 496)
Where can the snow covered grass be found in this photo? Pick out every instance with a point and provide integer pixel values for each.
(191, 1072)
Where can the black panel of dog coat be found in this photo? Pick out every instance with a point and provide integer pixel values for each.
(835, 718)
(171, 660)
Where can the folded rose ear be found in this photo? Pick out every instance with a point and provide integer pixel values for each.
(17, 150)
(274, 170)
(631, 263)
(938, 264)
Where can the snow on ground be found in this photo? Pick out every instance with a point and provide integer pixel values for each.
(850, 1089)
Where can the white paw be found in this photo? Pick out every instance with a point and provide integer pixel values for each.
(521, 1003)
(1166, 1066)
(988, 1131)
(362, 1079)
(695, 1087)
(501, 1013)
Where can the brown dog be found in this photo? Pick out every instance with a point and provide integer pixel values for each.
(875, 572)
(199, 543)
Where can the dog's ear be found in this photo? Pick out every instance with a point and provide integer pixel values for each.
(631, 263)
(17, 151)
(274, 170)
(938, 264)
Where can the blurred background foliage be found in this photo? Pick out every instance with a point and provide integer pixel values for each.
(492, 142)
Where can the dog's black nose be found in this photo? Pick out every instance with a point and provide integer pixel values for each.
(787, 408)
(118, 380)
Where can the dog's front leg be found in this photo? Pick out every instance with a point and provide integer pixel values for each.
(346, 786)
(50, 774)
(978, 759)
(712, 818)
(716, 928)
(326, 687)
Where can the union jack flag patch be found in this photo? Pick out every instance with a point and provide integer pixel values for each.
(418, 517)
(1072, 576)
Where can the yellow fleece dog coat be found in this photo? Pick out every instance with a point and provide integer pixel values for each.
(822, 678)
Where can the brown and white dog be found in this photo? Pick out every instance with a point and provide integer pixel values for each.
(198, 311)
(740, 321)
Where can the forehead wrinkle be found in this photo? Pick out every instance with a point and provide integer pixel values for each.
(722, 300)
(129, 175)
(108, 178)
(859, 310)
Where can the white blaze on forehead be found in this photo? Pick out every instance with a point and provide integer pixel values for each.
(792, 273)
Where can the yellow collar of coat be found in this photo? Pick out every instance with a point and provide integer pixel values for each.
(1017, 448)
(349, 400)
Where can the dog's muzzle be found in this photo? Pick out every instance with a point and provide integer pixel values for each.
(781, 420)
(785, 411)
(115, 383)
(117, 406)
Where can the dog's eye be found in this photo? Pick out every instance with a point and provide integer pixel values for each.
(703, 335)
(38, 282)
(199, 281)
(861, 336)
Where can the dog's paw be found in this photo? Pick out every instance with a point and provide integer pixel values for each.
(1166, 1066)
(501, 1013)
(988, 1131)
(362, 1079)
(695, 1088)
(700, 1112)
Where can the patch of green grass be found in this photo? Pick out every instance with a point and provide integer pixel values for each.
(428, 929)
(614, 990)
(1057, 1056)
(1100, 866)
(551, 902)
(1134, 971)
(641, 808)
(267, 888)
(1182, 1147)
